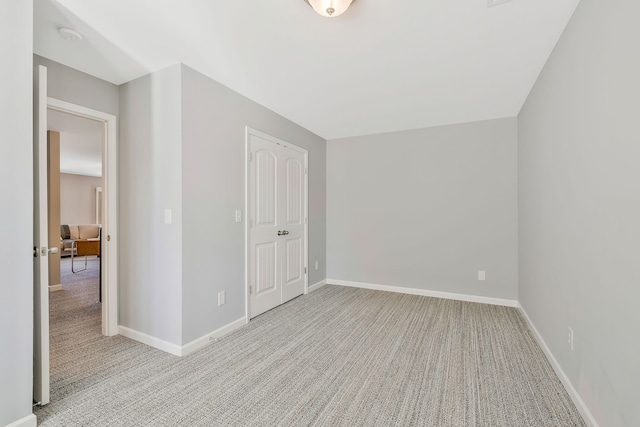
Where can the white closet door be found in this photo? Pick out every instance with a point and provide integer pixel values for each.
(277, 232)
(264, 204)
(293, 269)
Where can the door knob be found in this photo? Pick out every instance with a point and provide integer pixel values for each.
(52, 250)
(280, 233)
(285, 232)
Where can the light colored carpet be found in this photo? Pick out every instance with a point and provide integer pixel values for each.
(336, 357)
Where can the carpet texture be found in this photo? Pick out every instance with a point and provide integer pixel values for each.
(336, 357)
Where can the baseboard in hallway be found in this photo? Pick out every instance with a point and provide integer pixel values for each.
(181, 350)
(212, 336)
(149, 340)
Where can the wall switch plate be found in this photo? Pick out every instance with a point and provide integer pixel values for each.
(167, 216)
(221, 298)
(481, 275)
(239, 215)
(570, 338)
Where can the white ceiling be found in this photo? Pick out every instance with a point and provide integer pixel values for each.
(381, 66)
(80, 143)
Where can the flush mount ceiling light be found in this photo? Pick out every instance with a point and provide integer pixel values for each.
(69, 34)
(330, 8)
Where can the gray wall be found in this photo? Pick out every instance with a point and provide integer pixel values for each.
(579, 180)
(426, 208)
(68, 84)
(78, 198)
(214, 120)
(16, 227)
(150, 177)
(152, 111)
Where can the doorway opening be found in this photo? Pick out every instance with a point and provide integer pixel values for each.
(81, 157)
(74, 202)
(47, 239)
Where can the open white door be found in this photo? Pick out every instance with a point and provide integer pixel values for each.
(41, 244)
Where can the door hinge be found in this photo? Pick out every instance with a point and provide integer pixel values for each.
(250, 156)
(305, 270)
(35, 252)
(250, 290)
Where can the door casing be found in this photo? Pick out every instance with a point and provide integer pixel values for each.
(109, 257)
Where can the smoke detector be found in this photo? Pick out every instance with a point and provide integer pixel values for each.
(496, 2)
(69, 34)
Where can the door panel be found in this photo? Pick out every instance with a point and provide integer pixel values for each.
(40, 243)
(276, 212)
(293, 261)
(294, 191)
(266, 203)
(266, 268)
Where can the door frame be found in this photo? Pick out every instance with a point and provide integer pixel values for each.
(248, 215)
(109, 253)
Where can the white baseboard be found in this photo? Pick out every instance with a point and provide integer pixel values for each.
(174, 349)
(212, 336)
(587, 416)
(55, 288)
(28, 421)
(178, 350)
(317, 286)
(426, 293)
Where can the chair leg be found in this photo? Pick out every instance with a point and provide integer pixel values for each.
(74, 250)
